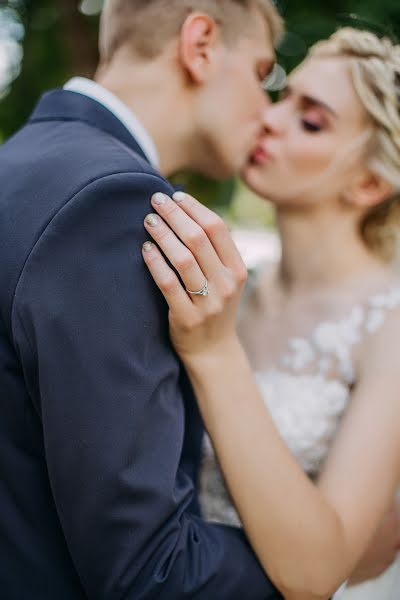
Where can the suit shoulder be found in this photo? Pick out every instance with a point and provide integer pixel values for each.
(56, 171)
(80, 151)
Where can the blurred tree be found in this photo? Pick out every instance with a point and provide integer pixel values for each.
(308, 22)
(59, 41)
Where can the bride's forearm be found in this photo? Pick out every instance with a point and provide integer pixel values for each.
(296, 534)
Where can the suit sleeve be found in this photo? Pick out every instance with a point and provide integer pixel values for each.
(92, 333)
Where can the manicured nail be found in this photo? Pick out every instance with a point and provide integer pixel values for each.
(159, 198)
(152, 220)
(179, 196)
(147, 246)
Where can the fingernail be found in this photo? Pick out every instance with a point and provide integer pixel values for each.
(159, 198)
(152, 220)
(147, 246)
(179, 196)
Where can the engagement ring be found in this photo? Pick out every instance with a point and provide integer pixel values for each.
(203, 292)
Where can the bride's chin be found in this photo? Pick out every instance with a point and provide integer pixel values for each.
(256, 181)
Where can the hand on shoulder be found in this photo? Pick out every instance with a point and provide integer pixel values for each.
(198, 245)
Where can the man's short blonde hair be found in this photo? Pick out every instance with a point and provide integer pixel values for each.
(148, 25)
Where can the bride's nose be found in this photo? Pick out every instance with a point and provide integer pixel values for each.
(274, 119)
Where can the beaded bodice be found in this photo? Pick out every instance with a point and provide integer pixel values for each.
(306, 395)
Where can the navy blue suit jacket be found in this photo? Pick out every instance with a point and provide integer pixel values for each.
(99, 433)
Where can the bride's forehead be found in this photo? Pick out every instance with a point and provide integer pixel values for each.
(322, 73)
(329, 80)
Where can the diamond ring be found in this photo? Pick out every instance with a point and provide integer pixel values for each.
(203, 292)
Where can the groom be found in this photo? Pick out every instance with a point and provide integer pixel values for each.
(99, 434)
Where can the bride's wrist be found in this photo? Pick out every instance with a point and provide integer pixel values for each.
(214, 359)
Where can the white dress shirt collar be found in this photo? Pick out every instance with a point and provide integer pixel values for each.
(93, 90)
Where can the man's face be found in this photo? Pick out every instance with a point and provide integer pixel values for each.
(232, 103)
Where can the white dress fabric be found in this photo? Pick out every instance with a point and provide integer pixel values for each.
(307, 395)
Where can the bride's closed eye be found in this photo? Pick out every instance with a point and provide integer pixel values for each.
(310, 116)
(312, 120)
(311, 127)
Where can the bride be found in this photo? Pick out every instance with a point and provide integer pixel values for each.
(314, 477)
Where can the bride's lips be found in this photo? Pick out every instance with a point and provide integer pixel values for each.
(260, 155)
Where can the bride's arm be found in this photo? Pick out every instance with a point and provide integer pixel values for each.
(307, 538)
(297, 536)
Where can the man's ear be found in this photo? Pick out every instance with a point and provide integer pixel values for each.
(199, 39)
(369, 189)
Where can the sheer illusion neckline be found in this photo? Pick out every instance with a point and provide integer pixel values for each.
(328, 349)
(308, 398)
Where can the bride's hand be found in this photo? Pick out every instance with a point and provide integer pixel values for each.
(199, 246)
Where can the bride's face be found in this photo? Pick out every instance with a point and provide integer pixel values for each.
(312, 145)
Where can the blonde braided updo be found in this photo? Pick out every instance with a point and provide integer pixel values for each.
(375, 69)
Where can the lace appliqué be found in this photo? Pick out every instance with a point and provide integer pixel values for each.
(329, 347)
(306, 397)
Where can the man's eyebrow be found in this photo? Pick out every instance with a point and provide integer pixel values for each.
(312, 101)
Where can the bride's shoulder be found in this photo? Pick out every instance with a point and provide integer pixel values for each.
(382, 324)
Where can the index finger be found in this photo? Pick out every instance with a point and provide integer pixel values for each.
(215, 228)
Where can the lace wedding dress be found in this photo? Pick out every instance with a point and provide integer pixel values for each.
(306, 397)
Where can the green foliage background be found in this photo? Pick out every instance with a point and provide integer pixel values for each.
(60, 40)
